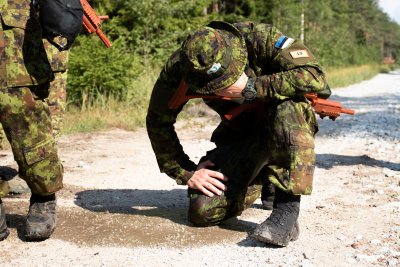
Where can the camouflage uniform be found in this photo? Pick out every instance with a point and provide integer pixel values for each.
(277, 141)
(26, 74)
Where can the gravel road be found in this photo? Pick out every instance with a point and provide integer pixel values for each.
(117, 209)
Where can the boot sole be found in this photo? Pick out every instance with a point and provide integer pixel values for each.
(278, 240)
(38, 238)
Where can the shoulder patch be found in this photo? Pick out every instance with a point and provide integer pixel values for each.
(284, 42)
(299, 53)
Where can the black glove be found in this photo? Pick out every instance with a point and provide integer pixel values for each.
(61, 18)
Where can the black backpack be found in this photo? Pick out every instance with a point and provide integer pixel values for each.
(61, 18)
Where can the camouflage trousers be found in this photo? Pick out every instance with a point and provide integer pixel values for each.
(282, 149)
(56, 102)
(26, 120)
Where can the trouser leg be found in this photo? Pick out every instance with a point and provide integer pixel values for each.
(26, 120)
(57, 101)
(292, 166)
(291, 145)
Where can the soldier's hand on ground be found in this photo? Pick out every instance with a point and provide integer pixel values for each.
(235, 90)
(207, 181)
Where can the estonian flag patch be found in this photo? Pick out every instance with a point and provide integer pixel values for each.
(284, 42)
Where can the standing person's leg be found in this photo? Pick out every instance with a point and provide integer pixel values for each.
(27, 124)
(291, 168)
(57, 101)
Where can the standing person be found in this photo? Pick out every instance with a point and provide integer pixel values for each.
(56, 101)
(26, 74)
(248, 63)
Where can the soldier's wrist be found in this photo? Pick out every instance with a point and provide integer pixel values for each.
(249, 92)
(184, 178)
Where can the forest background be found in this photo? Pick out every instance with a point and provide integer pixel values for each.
(110, 87)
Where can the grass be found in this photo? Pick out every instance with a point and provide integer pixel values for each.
(107, 112)
(339, 77)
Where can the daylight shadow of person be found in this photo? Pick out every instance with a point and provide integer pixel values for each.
(236, 224)
(328, 161)
(168, 204)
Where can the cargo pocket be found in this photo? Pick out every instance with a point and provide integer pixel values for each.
(43, 171)
(39, 152)
(302, 162)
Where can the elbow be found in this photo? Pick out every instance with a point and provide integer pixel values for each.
(318, 82)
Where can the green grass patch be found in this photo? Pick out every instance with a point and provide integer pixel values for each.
(344, 76)
(111, 114)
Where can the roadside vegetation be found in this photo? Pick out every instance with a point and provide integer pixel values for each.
(111, 87)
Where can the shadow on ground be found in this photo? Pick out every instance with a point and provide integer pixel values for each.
(328, 161)
(134, 218)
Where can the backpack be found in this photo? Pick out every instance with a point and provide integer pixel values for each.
(61, 18)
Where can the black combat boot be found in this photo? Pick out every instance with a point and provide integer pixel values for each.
(3, 226)
(281, 226)
(41, 219)
(267, 196)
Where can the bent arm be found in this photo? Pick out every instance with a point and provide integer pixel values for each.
(160, 122)
(289, 69)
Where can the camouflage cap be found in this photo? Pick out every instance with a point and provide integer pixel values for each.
(213, 57)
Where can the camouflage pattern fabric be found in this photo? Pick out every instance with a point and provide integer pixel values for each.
(280, 138)
(56, 102)
(280, 142)
(27, 124)
(200, 52)
(26, 71)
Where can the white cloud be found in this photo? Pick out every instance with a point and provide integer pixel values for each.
(392, 8)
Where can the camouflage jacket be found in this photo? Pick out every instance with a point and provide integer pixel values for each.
(281, 71)
(25, 57)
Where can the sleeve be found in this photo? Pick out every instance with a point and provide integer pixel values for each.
(160, 122)
(292, 68)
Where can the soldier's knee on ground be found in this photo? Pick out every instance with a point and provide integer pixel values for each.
(43, 171)
(207, 211)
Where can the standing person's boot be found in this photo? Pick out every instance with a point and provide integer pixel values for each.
(267, 196)
(41, 219)
(3, 226)
(281, 226)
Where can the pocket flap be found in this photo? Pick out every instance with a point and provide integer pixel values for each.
(15, 18)
(39, 152)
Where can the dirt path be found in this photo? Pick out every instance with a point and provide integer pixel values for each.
(117, 209)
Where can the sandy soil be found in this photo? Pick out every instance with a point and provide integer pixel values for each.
(117, 209)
